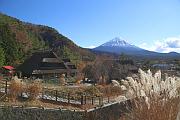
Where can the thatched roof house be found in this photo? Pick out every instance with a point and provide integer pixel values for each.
(42, 64)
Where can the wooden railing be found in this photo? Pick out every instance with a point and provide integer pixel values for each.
(65, 97)
(83, 99)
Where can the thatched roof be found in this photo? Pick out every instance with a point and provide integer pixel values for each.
(44, 62)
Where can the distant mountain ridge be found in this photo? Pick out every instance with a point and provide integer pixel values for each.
(119, 46)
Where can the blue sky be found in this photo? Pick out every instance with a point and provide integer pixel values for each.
(150, 24)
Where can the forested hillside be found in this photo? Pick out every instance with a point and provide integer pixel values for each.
(18, 40)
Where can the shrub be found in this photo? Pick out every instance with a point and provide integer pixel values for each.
(92, 91)
(109, 90)
(33, 90)
(15, 89)
(62, 80)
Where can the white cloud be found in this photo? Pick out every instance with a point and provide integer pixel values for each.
(146, 47)
(173, 42)
(91, 47)
(170, 44)
(143, 45)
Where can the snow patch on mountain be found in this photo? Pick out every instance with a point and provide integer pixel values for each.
(117, 42)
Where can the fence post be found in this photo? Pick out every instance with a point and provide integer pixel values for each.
(108, 99)
(92, 100)
(42, 94)
(56, 94)
(85, 99)
(100, 100)
(6, 87)
(21, 91)
(68, 97)
(81, 99)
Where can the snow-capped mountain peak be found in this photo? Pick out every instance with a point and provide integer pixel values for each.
(119, 46)
(116, 42)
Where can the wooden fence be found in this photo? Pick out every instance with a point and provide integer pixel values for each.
(83, 99)
(59, 96)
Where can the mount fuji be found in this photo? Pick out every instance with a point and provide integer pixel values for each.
(119, 46)
(117, 42)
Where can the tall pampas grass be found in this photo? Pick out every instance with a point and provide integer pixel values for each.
(153, 97)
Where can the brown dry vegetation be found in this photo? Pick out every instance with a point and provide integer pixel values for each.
(160, 109)
(18, 87)
(109, 90)
(15, 89)
(34, 89)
